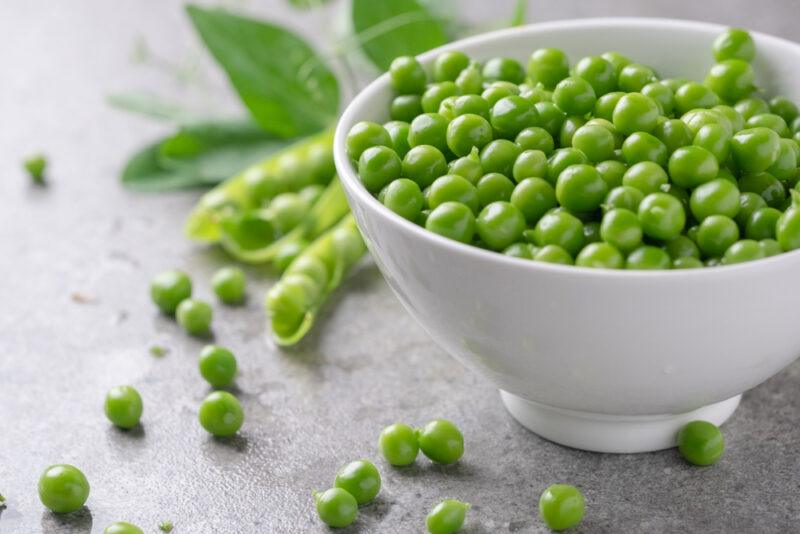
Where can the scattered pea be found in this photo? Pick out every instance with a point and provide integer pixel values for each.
(701, 443)
(169, 289)
(123, 406)
(121, 527)
(63, 488)
(221, 414)
(194, 316)
(336, 507)
(217, 366)
(561, 506)
(360, 479)
(441, 441)
(447, 517)
(229, 285)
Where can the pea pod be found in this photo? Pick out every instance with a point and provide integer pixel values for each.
(306, 162)
(293, 302)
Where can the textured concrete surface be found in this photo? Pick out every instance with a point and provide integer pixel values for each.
(75, 320)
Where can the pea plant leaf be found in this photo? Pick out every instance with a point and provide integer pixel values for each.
(386, 29)
(519, 14)
(285, 85)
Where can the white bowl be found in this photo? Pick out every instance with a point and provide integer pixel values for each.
(602, 360)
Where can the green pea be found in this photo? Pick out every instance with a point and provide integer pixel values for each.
(697, 118)
(398, 443)
(734, 43)
(646, 257)
(561, 159)
(474, 104)
(548, 66)
(503, 69)
(621, 228)
(574, 96)
(591, 232)
(687, 262)
(194, 316)
(377, 167)
(691, 166)
(604, 107)
(748, 203)
(551, 118)
(580, 188)
(360, 479)
(441, 441)
(785, 108)
(470, 80)
(625, 197)
(595, 141)
(423, 164)
(646, 176)
(468, 167)
(404, 197)
(520, 250)
(535, 138)
(761, 223)
(731, 79)
(641, 146)
(535, 93)
(611, 172)
(493, 187)
(559, 227)
(617, 60)
(529, 164)
(600, 74)
(734, 117)
(771, 121)
(766, 185)
(717, 197)
(635, 112)
(715, 234)
(715, 139)
(770, 247)
(561, 506)
(364, 135)
(500, 224)
(453, 188)
(662, 95)
(123, 406)
(428, 129)
(600, 256)
(448, 65)
(674, 83)
(217, 366)
(221, 414)
(494, 94)
(742, 251)
(499, 156)
(568, 129)
(229, 285)
(785, 167)
(407, 75)
(512, 114)
(121, 527)
(453, 220)
(693, 95)
(447, 517)
(336, 507)
(553, 254)
(533, 197)
(63, 488)
(405, 107)
(681, 247)
(755, 149)
(787, 229)
(662, 216)
(435, 94)
(634, 76)
(466, 132)
(170, 288)
(398, 131)
(701, 443)
(751, 106)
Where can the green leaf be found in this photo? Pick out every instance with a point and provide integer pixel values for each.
(387, 29)
(519, 13)
(308, 4)
(287, 88)
(153, 106)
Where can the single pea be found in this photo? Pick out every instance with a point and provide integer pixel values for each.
(194, 316)
(691, 166)
(407, 76)
(751, 106)
(123, 406)
(611, 172)
(580, 188)
(448, 65)
(504, 69)
(217, 365)
(681, 247)
(495, 93)
(734, 43)
(561, 506)
(405, 107)
(697, 118)
(548, 66)
(761, 223)
(755, 149)
(787, 229)
(424, 164)
(500, 224)
(641, 146)
(595, 141)
(674, 133)
(435, 93)
(784, 108)
(551, 118)
(604, 107)
(662, 95)
(687, 262)
(617, 60)
(63, 488)
(574, 96)
(635, 112)
(529, 164)
(748, 203)
(404, 197)
(398, 443)
(770, 247)
(170, 288)
(731, 79)
(733, 116)
(701, 442)
(229, 284)
(286, 210)
(717, 197)
(470, 80)
(428, 129)
(468, 167)
(474, 104)
(715, 139)
(646, 176)
(494, 187)
(535, 138)
(512, 114)
(561, 159)
(742, 251)
(398, 131)
(453, 220)
(553, 254)
(646, 257)
(364, 135)
(535, 93)
(466, 132)
(447, 517)
(621, 228)
(785, 167)
(693, 95)
(674, 83)
(336, 507)
(121, 527)
(520, 250)
(600, 74)
(600, 256)
(221, 414)
(499, 156)
(441, 441)
(715, 234)
(447, 108)
(453, 188)
(662, 216)
(360, 479)
(533, 197)
(559, 227)
(568, 129)
(377, 167)
(634, 76)
(771, 121)
(766, 185)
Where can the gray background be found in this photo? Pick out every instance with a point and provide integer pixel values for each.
(309, 410)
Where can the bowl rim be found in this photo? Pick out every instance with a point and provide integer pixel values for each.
(359, 194)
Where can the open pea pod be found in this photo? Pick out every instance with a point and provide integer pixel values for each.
(293, 302)
(309, 161)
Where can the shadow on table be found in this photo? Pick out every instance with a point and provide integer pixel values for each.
(77, 522)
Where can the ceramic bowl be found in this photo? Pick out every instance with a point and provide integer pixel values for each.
(602, 360)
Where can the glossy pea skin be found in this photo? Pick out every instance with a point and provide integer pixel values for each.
(217, 366)
(634, 76)
(503, 69)
(423, 164)
(494, 187)
(404, 197)
(561, 159)
(123, 406)
(646, 176)
(535, 138)
(529, 164)
(715, 139)
(701, 443)
(466, 132)
(470, 80)
(453, 220)
(748, 203)
(731, 79)
(474, 104)
(221, 414)
(495, 93)
(611, 171)
(717, 197)
(170, 288)
(364, 135)
(761, 223)
(533, 197)
(561, 228)
(693, 95)
(441, 441)
(435, 94)
(743, 251)
(500, 224)
(428, 129)
(553, 254)
(360, 479)
(787, 230)
(646, 258)
(600, 256)
(407, 76)
(600, 74)
(751, 106)
(398, 131)
(405, 107)
(681, 247)
(785, 167)
(512, 114)
(624, 196)
(561, 506)
(398, 443)
(448, 65)
(229, 285)
(674, 133)
(548, 66)
(595, 141)
(766, 185)
(551, 117)
(336, 507)
(574, 96)
(784, 108)
(755, 149)
(691, 166)
(662, 216)
(635, 112)
(617, 60)
(580, 188)
(453, 188)
(641, 146)
(377, 167)
(63, 488)
(715, 234)
(604, 107)
(499, 156)
(770, 247)
(734, 43)
(568, 129)
(520, 250)
(771, 121)
(687, 262)
(621, 228)
(662, 95)
(697, 118)
(194, 316)
(734, 117)
(447, 517)
(122, 527)
(468, 167)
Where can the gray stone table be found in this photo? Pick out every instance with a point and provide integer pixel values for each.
(75, 319)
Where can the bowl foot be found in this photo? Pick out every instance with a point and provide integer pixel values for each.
(610, 433)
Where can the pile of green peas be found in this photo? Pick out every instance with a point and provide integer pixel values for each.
(602, 164)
